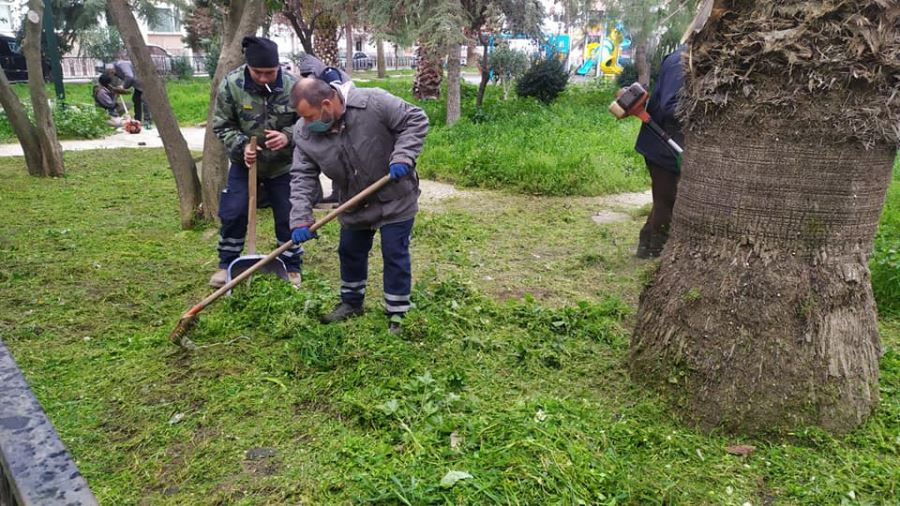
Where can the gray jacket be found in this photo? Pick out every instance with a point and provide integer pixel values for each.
(125, 72)
(377, 129)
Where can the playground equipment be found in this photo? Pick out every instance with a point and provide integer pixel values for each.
(601, 54)
(610, 64)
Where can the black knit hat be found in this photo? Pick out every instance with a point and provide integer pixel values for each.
(260, 52)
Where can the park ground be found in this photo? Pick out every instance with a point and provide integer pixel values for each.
(510, 386)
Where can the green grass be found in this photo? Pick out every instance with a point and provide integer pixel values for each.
(885, 263)
(512, 369)
(572, 147)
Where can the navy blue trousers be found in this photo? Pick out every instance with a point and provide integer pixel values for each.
(354, 255)
(233, 213)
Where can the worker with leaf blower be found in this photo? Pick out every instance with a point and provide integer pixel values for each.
(663, 162)
(357, 136)
(254, 100)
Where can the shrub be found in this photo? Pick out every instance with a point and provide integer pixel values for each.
(212, 48)
(76, 121)
(182, 68)
(545, 80)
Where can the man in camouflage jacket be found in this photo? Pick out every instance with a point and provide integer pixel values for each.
(254, 101)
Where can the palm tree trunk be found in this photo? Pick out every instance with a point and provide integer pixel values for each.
(51, 150)
(427, 83)
(761, 316)
(325, 40)
(180, 159)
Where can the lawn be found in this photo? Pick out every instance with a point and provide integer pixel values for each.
(512, 370)
(572, 147)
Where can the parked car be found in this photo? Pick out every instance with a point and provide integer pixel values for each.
(13, 61)
(361, 61)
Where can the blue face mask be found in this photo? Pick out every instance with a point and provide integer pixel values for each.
(320, 126)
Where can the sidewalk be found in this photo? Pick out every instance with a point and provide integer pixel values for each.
(145, 139)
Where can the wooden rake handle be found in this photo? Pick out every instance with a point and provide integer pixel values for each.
(251, 202)
(356, 200)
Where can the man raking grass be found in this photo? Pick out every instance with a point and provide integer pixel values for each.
(356, 136)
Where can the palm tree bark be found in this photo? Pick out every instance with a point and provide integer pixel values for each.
(427, 83)
(761, 316)
(453, 71)
(325, 40)
(243, 18)
(177, 152)
(22, 127)
(51, 151)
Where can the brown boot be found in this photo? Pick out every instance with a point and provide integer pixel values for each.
(218, 278)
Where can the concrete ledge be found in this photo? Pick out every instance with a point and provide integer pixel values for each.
(35, 467)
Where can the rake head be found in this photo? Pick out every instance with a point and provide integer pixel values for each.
(184, 325)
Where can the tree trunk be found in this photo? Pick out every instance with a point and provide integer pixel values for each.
(177, 152)
(427, 83)
(453, 105)
(761, 316)
(325, 40)
(485, 77)
(472, 51)
(51, 151)
(293, 10)
(22, 127)
(640, 63)
(379, 58)
(348, 47)
(243, 19)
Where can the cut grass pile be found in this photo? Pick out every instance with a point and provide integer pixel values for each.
(511, 379)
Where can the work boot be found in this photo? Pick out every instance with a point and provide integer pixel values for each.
(218, 278)
(643, 248)
(342, 312)
(395, 325)
(295, 278)
(657, 243)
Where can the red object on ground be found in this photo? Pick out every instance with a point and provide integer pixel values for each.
(132, 126)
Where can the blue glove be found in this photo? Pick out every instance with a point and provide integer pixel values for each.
(302, 234)
(398, 170)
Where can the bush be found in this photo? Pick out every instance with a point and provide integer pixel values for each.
(182, 68)
(545, 80)
(212, 48)
(76, 121)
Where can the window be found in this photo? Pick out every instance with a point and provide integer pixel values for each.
(166, 20)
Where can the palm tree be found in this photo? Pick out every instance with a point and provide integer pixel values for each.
(325, 39)
(761, 316)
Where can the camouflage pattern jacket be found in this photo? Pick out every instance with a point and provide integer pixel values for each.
(244, 109)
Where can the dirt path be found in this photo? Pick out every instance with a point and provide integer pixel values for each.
(610, 208)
